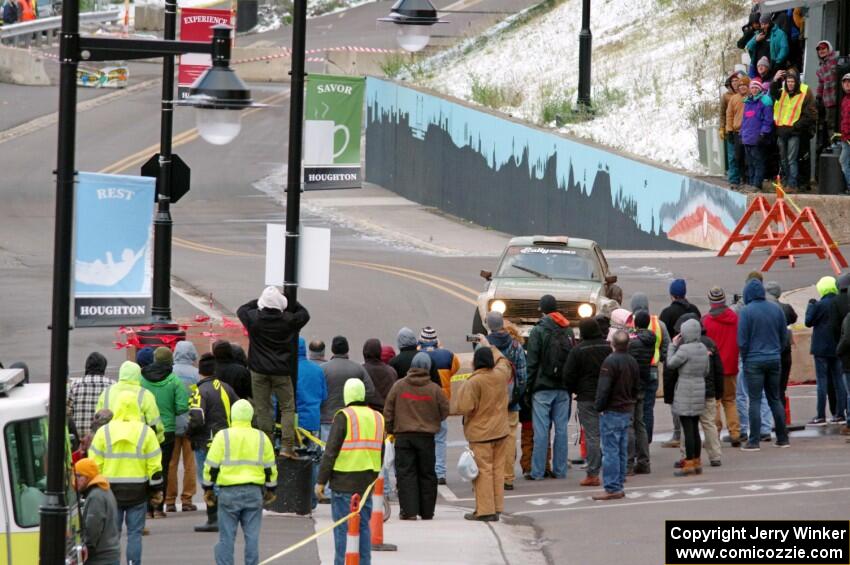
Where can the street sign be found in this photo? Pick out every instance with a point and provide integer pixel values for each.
(196, 25)
(314, 256)
(180, 175)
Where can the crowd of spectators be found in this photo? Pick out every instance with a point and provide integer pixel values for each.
(14, 11)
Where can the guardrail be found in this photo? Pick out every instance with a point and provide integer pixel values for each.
(45, 30)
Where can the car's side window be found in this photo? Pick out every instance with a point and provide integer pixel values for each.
(26, 450)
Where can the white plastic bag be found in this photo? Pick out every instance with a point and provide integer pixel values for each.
(467, 468)
(389, 455)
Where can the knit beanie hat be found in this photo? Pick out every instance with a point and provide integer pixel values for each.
(206, 365)
(844, 281)
(757, 82)
(716, 295)
(548, 304)
(765, 18)
(144, 356)
(773, 289)
(494, 321)
(405, 338)
(163, 355)
(428, 335)
(678, 288)
(642, 319)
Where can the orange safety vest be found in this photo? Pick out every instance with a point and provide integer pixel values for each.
(788, 110)
(27, 13)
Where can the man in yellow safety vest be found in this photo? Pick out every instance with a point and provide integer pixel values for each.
(241, 463)
(128, 455)
(795, 115)
(351, 462)
(130, 380)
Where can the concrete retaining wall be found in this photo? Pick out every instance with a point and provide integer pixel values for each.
(20, 66)
(149, 17)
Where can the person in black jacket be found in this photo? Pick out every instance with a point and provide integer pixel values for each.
(679, 306)
(774, 292)
(843, 352)
(408, 347)
(273, 360)
(229, 370)
(619, 384)
(642, 348)
(209, 413)
(582, 375)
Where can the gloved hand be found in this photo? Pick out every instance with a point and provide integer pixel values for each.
(812, 301)
(722, 134)
(156, 498)
(210, 498)
(268, 496)
(320, 492)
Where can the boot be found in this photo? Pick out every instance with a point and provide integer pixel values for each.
(686, 470)
(697, 466)
(212, 521)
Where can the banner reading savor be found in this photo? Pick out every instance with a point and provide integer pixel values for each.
(332, 121)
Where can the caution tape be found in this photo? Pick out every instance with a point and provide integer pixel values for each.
(324, 531)
(780, 192)
(302, 432)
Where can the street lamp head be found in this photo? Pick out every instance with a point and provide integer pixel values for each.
(414, 19)
(219, 95)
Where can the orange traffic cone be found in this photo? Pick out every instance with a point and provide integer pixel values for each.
(352, 541)
(376, 524)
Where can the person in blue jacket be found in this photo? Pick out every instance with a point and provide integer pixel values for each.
(777, 41)
(820, 317)
(762, 335)
(311, 392)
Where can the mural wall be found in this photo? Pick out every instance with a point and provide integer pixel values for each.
(523, 180)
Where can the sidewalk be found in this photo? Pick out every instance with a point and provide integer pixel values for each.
(448, 539)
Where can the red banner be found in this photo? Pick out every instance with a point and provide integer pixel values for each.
(196, 25)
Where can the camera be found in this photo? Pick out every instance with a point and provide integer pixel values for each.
(472, 338)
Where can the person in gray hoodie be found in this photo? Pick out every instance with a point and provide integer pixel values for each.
(185, 357)
(640, 302)
(689, 357)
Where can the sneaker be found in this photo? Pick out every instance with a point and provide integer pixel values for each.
(781, 444)
(484, 518)
(609, 495)
(590, 481)
(509, 486)
(671, 443)
(765, 437)
(837, 420)
(159, 514)
(208, 527)
(642, 469)
(817, 422)
(716, 463)
(748, 447)
(679, 464)
(441, 481)
(171, 508)
(189, 507)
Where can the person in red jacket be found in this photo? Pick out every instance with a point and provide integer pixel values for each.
(844, 129)
(721, 325)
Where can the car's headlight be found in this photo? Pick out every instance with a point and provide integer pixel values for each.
(498, 306)
(585, 310)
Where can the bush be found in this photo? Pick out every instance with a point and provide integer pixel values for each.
(495, 96)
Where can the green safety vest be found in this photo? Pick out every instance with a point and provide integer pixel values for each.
(364, 438)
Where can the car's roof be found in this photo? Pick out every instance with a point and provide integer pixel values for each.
(574, 242)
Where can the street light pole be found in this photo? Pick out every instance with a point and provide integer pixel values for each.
(161, 306)
(54, 512)
(293, 176)
(584, 51)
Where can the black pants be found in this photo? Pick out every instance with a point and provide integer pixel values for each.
(785, 373)
(690, 433)
(416, 478)
(167, 448)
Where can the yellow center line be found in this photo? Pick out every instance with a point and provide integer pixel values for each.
(418, 278)
(457, 285)
(194, 246)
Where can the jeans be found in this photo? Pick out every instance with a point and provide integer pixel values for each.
(733, 173)
(828, 369)
(340, 507)
(315, 452)
(241, 504)
(638, 443)
(755, 165)
(263, 387)
(763, 376)
(550, 408)
(649, 403)
(847, 388)
(789, 150)
(844, 159)
(135, 519)
(615, 448)
(440, 449)
(588, 417)
(742, 402)
(326, 431)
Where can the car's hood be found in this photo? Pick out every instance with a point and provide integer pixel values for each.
(561, 289)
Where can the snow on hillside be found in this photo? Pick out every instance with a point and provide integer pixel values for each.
(657, 69)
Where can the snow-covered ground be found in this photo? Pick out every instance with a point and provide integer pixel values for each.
(658, 66)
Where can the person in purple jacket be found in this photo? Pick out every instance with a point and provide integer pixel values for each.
(756, 128)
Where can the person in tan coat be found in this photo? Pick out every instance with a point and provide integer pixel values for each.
(734, 118)
(483, 402)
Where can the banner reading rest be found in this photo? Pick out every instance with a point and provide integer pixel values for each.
(113, 235)
(332, 122)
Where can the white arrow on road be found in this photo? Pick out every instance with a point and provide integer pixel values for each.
(666, 493)
(782, 486)
(634, 494)
(539, 501)
(697, 491)
(816, 484)
(570, 501)
(753, 487)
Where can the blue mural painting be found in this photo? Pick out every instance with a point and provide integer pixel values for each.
(523, 180)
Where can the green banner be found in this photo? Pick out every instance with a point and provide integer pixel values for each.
(332, 120)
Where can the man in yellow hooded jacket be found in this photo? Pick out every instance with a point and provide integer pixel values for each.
(127, 453)
(130, 380)
(241, 463)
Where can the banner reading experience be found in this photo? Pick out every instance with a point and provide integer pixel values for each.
(114, 244)
(196, 25)
(332, 120)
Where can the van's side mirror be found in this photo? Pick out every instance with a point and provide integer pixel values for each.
(611, 279)
(487, 275)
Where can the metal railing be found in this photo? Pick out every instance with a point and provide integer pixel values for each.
(44, 30)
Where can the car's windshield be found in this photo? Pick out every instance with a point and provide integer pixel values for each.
(549, 263)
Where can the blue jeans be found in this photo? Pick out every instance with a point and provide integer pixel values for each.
(733, 174)
(763, 376)
(789, 150)
(315, 452)
(326, 431)
(241, 504)
(340, 507)
(844, 159)
(135, 518)
(440, 449)
(614, 427)
(742, 403)
(550, 408)
(755, 165)
(649, 393)
(829, 369)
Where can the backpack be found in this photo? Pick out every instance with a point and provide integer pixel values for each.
(10, 13)
(557, 350)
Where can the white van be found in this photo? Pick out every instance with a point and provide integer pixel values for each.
(23, 468)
